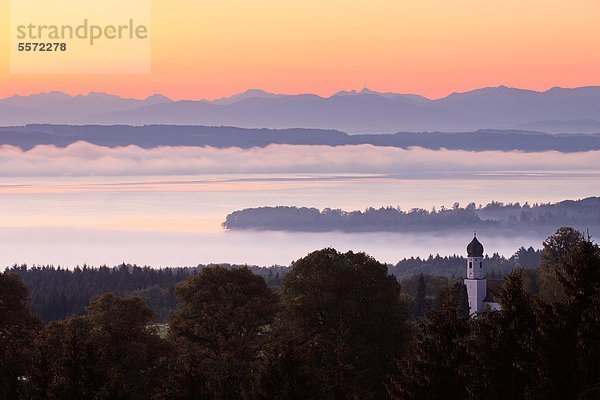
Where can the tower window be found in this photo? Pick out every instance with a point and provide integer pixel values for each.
(480, 264)
(470, 264)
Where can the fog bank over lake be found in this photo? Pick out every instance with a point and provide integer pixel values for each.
(85, 159)
(71, 247)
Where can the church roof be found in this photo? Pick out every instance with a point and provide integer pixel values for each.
(475, 249)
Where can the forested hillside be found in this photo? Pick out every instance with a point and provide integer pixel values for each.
(58, 292)
(150, 136)
(582, 214)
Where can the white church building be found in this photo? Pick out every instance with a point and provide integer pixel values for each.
(479, 289)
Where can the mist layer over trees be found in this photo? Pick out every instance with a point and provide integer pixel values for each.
(339, 327)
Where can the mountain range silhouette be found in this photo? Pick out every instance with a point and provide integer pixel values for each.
(557, 110)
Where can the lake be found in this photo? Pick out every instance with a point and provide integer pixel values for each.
(176, 220)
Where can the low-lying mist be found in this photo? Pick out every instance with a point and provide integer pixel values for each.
(71, 247)
(84, 159)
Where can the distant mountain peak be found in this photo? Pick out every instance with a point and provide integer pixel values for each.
(54, 94)
(99, 94)
(255, 92)
(345, 93)
(248, 94)
(355, 92)
(158, 98)
(369, 91)
(90, 95)
(389, 95)
(489, 90)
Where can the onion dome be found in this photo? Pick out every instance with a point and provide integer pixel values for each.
(475, 249)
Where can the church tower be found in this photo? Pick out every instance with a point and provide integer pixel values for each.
(476, 283)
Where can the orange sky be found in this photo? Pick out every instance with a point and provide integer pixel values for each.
(210, 49)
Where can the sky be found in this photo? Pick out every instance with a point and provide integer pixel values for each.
(210, 49)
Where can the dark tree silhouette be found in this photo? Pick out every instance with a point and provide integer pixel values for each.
(438, 351)
(219, 331)
(343, 315)
(18, 328)
(503, 347)
(573, 323)
(556, 249)
(109, 354)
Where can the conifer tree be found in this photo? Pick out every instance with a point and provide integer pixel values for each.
(432, 368)
(18, 328)
(502, 350)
